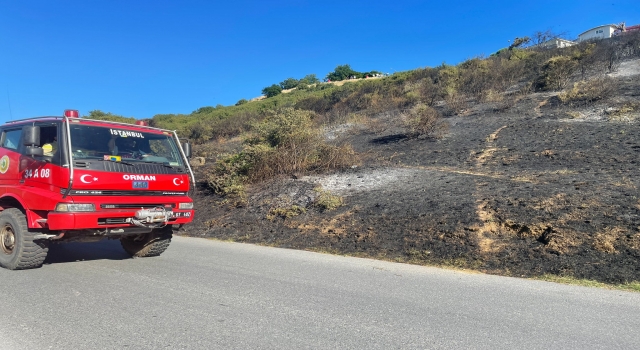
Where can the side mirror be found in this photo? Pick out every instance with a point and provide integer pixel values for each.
(34, 151)
(31, 135)
(186, 147)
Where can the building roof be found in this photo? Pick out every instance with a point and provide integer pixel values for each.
(602, 26)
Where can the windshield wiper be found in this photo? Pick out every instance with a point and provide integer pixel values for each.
(121, 161)
(165, 164)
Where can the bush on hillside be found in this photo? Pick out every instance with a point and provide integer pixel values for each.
(556, 73)
(475, 77)
(316, 104)
(344, 72)
(586, 92)
(448, 80)
(423, 120)
(583, 55)
(198, 132)
(309, 79)
(271, 91)
(285, 142)
(289, 83)
(327, 201)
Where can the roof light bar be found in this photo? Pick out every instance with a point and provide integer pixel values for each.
(71, 113)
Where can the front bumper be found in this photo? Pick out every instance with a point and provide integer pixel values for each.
(105, 219)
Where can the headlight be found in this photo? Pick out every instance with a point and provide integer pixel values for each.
(67, 207)
(185, 205)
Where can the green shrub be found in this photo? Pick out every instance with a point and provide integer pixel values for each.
(285, 127)
(284, 142)
(586, 92)
(289, 83)
(327, 201)
(343, 72)
(271, 91)
(309, 79)
(285, 213)
(233, 126)
(556, 73)
(448, 79)
(229, 171)
(199, 132)
(425, 121)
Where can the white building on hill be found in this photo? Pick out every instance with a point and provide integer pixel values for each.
(555, 44)
(600, 32)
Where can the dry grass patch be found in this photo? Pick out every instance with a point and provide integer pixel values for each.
(551, 204)
(605, 241)
(587, 92)
(626, 113)
(625, 182)
(492, 137)
(376, 125)
(574, 115)
(339, 226)
(629, 286)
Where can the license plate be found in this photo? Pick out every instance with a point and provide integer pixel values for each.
(181, 214)
(141, 184)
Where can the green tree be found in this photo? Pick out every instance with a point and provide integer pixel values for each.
(289, 83)
(241, 101)
(273, 90)
(310, 79)
(343, 72)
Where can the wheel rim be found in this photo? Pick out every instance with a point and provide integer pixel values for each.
(7, 239)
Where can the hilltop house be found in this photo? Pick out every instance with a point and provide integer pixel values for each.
(555, 44)
(623, 29)
(601, 32)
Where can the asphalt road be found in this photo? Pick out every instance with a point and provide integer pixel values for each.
(205, 294)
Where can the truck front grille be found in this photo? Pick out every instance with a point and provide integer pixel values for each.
(111, 221)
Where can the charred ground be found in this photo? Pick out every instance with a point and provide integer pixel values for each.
(541, 187)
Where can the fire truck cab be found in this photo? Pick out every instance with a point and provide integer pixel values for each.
(74, 179)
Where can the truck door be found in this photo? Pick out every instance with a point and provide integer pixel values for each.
(42, 171)
(10, 157)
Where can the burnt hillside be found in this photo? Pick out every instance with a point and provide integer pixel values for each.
(522, 175)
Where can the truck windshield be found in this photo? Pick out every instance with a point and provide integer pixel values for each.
(119, 144)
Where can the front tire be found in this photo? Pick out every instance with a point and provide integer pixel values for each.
(18, 249)
(150, 244)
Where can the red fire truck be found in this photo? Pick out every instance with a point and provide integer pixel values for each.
(75, 179)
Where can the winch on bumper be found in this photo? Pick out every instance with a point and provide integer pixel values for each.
(152, 218)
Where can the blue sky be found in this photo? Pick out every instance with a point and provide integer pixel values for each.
(140, 58)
